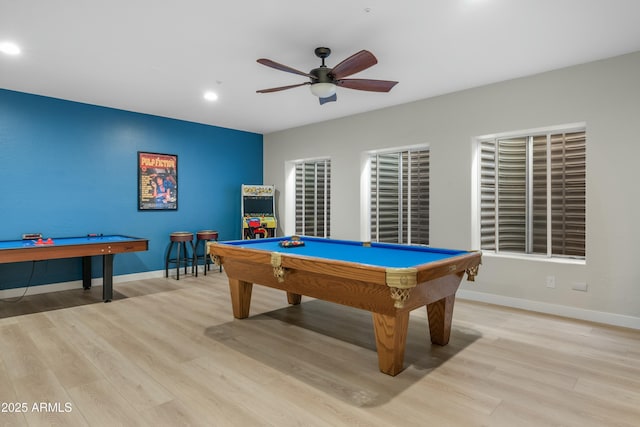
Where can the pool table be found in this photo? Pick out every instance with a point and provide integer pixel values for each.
(389, 280)
(74, 247)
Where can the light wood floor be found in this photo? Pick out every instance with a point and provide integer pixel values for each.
(169, 353)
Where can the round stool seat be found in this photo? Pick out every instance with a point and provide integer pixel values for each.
(207, 235)
(181, 236)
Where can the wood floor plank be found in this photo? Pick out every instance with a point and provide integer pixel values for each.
(141, 391)
(19, 352)
(70, 367)
(175, 413)
(103, 405)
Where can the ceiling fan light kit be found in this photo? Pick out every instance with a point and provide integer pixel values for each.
(323, 90)
(323, 80)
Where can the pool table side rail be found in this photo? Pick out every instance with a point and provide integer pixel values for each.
(466, 262)
(370, 273)
(373, 274)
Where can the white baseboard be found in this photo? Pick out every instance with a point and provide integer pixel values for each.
(131, 277)
(75, 284)
(555, 309)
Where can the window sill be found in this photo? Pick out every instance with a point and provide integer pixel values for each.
(534, 258)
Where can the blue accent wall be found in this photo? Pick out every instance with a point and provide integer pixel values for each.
(70, 169)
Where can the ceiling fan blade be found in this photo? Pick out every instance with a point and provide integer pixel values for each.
(331, 98)
(367, 84)
(354, 64)
(273, 64)
(276, 89)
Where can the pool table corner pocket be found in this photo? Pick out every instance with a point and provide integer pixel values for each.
(400, 282)
(278, 270)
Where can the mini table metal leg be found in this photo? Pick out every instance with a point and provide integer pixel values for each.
(86, 272)
(107, 277)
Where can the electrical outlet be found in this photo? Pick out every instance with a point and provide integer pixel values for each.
(551, 281)
(579, 286)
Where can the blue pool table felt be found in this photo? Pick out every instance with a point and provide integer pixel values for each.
(386, 255)
(13, 244)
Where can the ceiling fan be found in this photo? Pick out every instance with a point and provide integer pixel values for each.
(324, 80)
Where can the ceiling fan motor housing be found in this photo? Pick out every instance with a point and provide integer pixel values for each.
(322, 75)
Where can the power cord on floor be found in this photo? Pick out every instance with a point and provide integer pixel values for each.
(18, 299)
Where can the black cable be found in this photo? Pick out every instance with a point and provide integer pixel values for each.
(18, 299)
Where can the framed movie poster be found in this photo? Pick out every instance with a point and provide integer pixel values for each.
(157, 181)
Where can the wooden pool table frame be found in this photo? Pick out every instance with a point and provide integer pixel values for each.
(92, 247)
(433, 285)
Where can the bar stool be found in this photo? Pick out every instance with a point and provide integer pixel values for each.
(180, 238)
(204, 236)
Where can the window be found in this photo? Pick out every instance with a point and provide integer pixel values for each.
(312, 196)
(533, 193)
(400, 197)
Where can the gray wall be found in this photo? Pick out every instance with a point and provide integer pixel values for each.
(605, 95)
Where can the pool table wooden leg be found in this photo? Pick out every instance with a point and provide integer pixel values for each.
(391, 338)
(240, 297)
(440, 314)
(293, 299)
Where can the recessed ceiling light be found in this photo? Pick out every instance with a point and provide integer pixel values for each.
(9, 48)
(211, 96)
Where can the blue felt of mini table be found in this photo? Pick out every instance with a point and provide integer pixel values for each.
(386, 255)
(64, 241)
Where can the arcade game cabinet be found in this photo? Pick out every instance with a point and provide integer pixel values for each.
(258, 211)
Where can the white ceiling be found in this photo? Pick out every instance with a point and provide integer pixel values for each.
(158, 57)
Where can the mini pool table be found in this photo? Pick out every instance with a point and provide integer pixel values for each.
(74, 247)
(390, 280)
